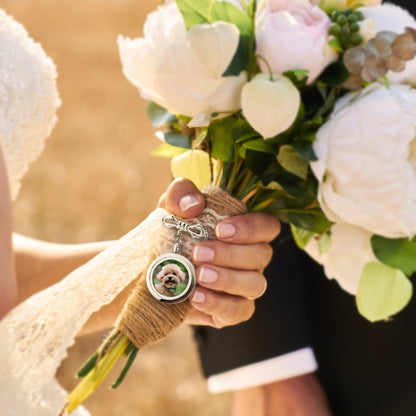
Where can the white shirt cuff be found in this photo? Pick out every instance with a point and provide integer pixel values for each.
(268, 371)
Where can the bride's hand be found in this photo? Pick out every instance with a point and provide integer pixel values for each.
(229, 269)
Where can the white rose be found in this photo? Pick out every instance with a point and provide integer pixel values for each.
(394, 18)
(182, 70)
(366, 164)
(350, 250)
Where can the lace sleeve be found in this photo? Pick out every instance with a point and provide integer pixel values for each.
(34, 337)
(28, 98)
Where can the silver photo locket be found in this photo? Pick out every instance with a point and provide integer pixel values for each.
(171, 278)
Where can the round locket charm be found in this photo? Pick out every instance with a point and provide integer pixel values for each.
(171, 278)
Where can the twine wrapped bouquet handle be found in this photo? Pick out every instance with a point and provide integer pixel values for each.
(144, 319)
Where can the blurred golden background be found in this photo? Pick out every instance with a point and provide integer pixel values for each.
(96, 180)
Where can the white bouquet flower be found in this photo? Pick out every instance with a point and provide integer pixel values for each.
(181, 69)
(366, 164)
(285, 107)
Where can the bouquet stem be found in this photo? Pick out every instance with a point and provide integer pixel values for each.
(97, 367)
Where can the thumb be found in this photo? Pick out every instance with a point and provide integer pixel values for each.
(183, 199)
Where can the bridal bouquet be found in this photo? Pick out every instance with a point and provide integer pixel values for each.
(302, 109)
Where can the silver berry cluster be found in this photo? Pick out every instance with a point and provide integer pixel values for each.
(387, 51)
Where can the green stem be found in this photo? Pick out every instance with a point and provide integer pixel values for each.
(262, 205)
(133, 352)
(269, 68)
(210, 10)
(89, 383)
(252, 60)
(236, 166)
(242, 187)
(88, 366)
(251, 199)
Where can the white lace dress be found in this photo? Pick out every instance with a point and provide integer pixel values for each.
(35, 335)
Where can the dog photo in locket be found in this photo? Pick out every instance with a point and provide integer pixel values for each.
(170, 278)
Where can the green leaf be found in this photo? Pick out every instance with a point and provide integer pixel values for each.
(166, 150)
(329, 102)
(242, 129)
(383, 291)
(334, 74)
(241, 57)
(177, 139)
(324, 243)
(158, 115)
(301, 236)
(305, 150)
(299, 77)
(399, 253)
(227, 12)
(201, 137)
(290, 160)
(257, 162)
(336, 44)
(259, 145)
(194, 13)
(299, 120)
(247, 137)
(310, 219)
(300, 190)
(221, 140)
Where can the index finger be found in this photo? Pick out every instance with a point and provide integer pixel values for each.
(248, 229)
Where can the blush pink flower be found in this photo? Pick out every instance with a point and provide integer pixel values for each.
(293, 34)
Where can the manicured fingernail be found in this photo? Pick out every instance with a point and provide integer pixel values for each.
(225, 230)
(203, 254)
(207, 275)
(198, 297)
(188, 201)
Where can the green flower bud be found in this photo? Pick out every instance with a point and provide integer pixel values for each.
(360, 15)
(335, 29)
(352, 18)
(346, 32)
(342, 19)
(355, 27)
(357, 39)
(335, 14)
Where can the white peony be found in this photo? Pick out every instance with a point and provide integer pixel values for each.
(350, 250)
(367, 161)
(393, 18)
(182, 70)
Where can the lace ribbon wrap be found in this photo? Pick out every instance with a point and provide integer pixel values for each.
(35, 336)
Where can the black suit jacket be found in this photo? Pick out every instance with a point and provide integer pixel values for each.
(366, 369)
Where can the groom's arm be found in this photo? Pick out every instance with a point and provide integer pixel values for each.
(300, 396)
